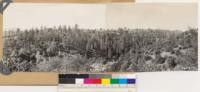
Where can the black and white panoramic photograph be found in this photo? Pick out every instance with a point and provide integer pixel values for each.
(117, 37)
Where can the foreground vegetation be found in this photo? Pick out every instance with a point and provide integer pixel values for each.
(66, 49)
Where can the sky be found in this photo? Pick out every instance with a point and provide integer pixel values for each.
(173, 16)
(26, 16)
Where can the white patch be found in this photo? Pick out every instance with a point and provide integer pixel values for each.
(148, 62)
(167, 54)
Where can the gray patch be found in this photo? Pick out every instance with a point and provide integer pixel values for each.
(3, 69)
(4, 4)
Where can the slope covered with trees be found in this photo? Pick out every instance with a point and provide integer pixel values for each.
(65, 49)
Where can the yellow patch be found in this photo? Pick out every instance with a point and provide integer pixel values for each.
(105, 81)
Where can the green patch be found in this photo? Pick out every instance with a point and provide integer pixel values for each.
(114, 81)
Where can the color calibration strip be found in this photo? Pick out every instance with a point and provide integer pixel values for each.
(97, 80)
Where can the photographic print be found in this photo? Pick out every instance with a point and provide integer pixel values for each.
(116, 37)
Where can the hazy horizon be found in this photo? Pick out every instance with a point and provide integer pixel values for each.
(42, 27)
